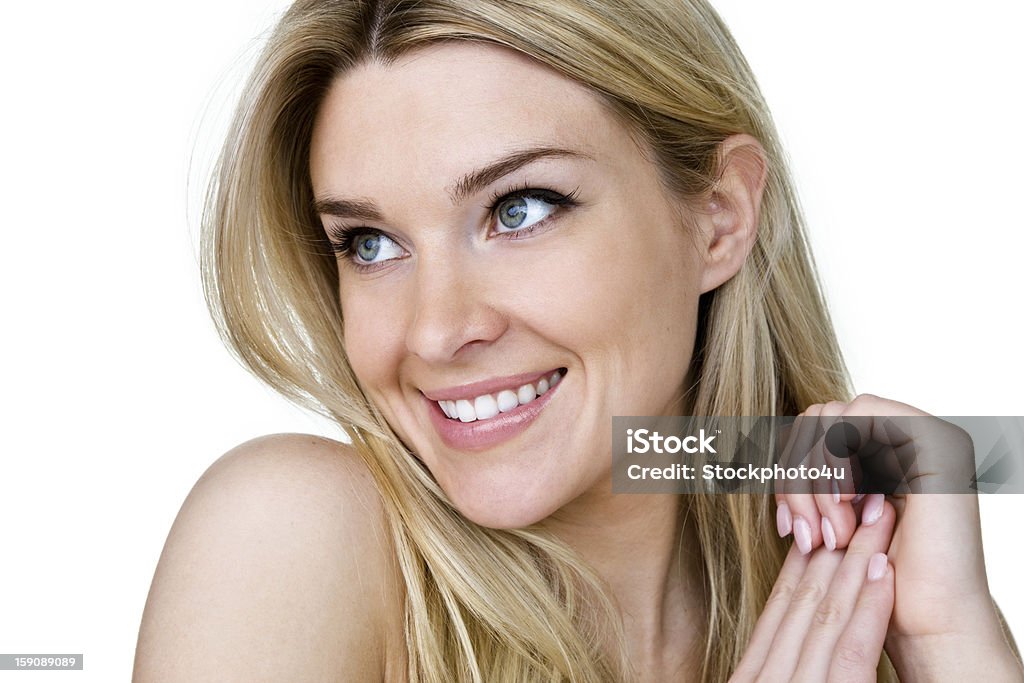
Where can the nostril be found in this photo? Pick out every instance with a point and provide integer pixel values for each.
(443, 327)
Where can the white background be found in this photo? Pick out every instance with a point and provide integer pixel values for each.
(901, 120)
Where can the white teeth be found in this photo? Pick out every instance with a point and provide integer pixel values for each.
(466, 412)
(507, 400)
(526, 394)
(488, 405)
(485, 407)
(448, 408)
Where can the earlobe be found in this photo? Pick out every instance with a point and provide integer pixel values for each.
(733, 211)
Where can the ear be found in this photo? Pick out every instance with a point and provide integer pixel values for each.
(730, 219)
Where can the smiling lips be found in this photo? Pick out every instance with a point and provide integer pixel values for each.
(483, 414)
(486, 406)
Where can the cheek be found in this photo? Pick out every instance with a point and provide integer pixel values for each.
(371, 339)
(644, 279)
(627, 303)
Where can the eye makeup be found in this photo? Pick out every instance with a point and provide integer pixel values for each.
(521, 205)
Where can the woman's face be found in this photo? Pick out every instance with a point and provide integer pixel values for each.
(502, 236)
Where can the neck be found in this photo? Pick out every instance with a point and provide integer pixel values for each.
(647, 555)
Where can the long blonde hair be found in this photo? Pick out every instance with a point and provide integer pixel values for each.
(494, 606)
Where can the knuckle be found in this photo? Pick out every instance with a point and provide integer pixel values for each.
(958, 440)
(809, 593)
(834, 407)
(860, 550)
(781, 593)
(829, 613)
(862, 545)
(813, 409)
(865, 398)
(850, 657)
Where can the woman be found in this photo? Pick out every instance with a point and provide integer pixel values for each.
(471, 233)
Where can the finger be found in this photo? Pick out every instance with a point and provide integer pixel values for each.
(784, 652)
(798, 440)
(783, 515)
(772, 615)
(839, 447)
(806, 522)
(872, 508)
(837, 608)
(921, 453)
(838, 521)
(830, 520)
(860, 646)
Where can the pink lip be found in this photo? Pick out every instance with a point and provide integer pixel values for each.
(487, 386)
(481, 434)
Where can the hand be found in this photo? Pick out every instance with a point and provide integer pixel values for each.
(827, 616)
(943, 618)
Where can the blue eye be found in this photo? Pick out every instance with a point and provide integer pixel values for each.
(374, 247)
(526, 208)
(364, 247)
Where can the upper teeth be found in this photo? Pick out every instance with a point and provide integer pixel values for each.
(488, 405)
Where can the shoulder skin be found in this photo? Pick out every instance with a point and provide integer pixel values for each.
(278, 567)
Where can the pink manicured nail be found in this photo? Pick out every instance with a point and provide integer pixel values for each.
(783, 520)
(828, 533)
(858, 498)
(835, 492)
(872, 510)
(877, 566)
(802, 534)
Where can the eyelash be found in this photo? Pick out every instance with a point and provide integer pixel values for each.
(548, 196)
(341, 239)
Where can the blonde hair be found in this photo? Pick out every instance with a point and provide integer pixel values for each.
(517, 605)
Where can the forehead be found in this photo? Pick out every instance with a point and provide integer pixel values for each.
(445, 108)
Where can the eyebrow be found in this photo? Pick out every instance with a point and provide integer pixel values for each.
(364, 209)
(361, 210)
(481, 178)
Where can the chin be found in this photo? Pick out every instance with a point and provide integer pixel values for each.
(505, 510)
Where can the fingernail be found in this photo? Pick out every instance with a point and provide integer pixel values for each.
(802, 534)
(872, 511)
(835, 491)
(877, 566)
(858, 498)
(783, 520)
(828, 533)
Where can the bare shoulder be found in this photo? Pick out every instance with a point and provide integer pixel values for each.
(279, 566)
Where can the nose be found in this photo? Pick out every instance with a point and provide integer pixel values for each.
(456, 309)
